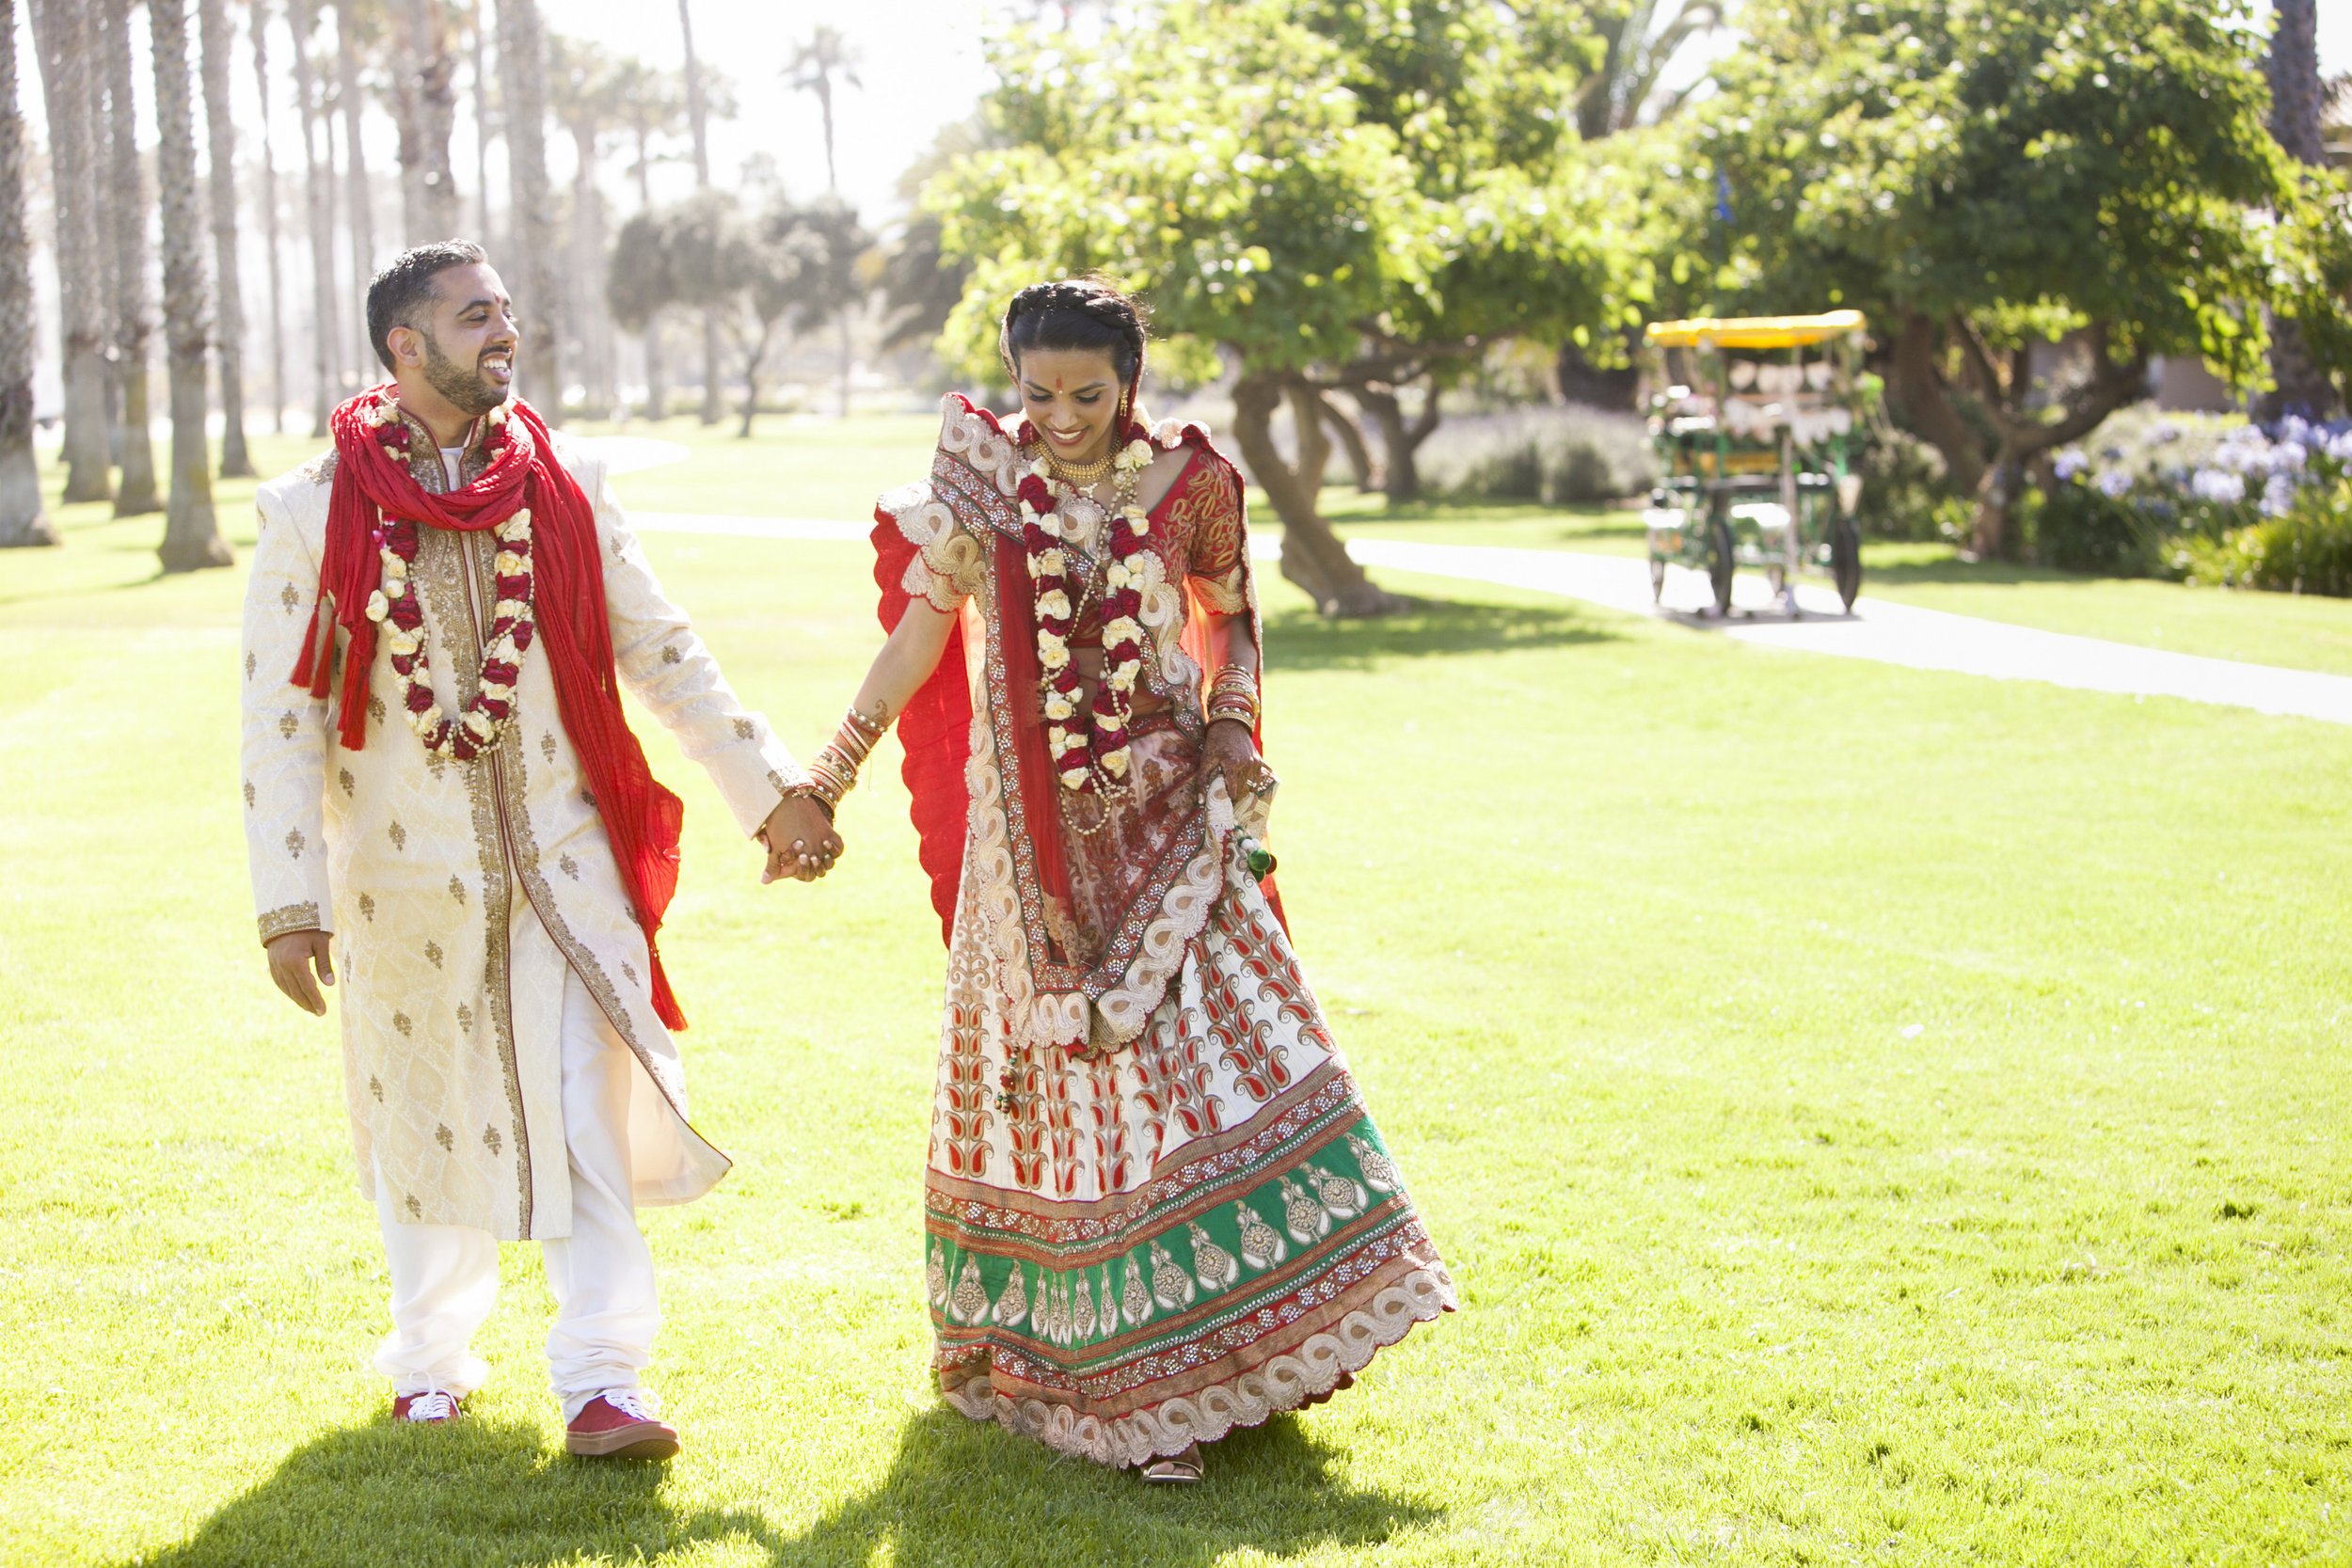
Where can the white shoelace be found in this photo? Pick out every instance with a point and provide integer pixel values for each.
(432, 1406)
(636, 1404)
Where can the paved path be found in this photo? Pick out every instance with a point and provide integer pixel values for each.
(1878, 629)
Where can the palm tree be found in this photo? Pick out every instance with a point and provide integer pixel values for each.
(355, 39)
(523, 68)
(698, 120)
(587, 90)
(815, 64)
(482, 127)
(1639, 46)
(64, 37)
(269, 222)
(424, 102)
(213, 17)
(136, 492)
(2296, 102)
(326, 322)
(191, 533)
(22, 519)
(653, 103)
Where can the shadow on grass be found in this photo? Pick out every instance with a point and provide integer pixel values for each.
(1302, 640)
(956, 1493)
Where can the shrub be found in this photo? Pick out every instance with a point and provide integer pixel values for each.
(2076, 528)
(1906, 491)
(1562, 456)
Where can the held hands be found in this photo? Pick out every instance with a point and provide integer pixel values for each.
(292, 959)
(1231, 755)
(799, 841)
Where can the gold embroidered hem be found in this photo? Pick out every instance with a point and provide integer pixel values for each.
(294, 917)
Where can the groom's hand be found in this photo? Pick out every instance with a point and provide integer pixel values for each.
(800, 840)
(292, 959)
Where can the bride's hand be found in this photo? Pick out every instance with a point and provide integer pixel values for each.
(1231, 755)
(799, 841)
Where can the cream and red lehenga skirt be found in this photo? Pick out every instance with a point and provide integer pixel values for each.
(1147, 1245)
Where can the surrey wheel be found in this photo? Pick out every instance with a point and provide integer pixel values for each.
(1845, 560)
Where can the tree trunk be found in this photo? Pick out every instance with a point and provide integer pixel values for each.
(22, 518)
(66, 44)
(326, 324)
(2300, 385)
(269, 225)
(656, 391)
(221, 132)
(1400, 439)
(698, 120)
(1351, 442)
(524, 61)
(585, 271)
(1313, 556)
(1916, 383)
(427, 103)
(482, 129)
(752, 360)
(191, 533)
(348, 43)
(137, 494)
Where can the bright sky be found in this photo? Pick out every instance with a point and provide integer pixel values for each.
(920, 63)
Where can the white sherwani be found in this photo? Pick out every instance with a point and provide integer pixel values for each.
(422, 869)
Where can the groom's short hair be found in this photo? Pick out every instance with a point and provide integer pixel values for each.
(400, 288)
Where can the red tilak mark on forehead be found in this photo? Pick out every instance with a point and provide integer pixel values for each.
(1057, 386)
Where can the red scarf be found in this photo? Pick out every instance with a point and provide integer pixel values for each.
(640, 818)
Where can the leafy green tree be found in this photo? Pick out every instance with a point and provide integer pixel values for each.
(1316, 195)
(1983, 175)
(789, 267)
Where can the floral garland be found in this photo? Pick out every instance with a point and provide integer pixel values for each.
(395, 604)
(1086, 748)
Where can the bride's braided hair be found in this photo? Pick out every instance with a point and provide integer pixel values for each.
(1083, 313)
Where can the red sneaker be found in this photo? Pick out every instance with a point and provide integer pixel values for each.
(432, 1408)
(622, 1424)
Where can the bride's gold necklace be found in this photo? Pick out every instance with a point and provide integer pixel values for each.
(1082, 476)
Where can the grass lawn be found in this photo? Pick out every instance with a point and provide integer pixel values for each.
(1872, 1114)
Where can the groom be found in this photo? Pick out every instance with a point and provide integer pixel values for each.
(443, 799)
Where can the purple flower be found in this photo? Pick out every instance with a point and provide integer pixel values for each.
(2278, 495)
(2071, 462)
(2114, 484)
(2288, 457)
(2214, 484)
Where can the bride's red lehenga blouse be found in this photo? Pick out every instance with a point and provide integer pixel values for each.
(1155, 1207)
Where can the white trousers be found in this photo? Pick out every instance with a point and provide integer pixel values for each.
(445, 1277)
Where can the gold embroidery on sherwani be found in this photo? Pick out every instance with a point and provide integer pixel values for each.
(294, 917)
(444, 572)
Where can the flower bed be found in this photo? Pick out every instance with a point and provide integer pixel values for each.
(2214, 502)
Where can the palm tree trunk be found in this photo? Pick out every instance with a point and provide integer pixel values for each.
(137, 494)
(347, 46)
(191, 533)
(22, 519)
(524, 61)
(269, 225)
(482, 130)
(698, 120)
(325, 323)
(426, 104)
(213, 20)
(657, 405)
(63, 36)
(2301, 386)
(597, 370)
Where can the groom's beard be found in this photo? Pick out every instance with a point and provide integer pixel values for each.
(468, 391)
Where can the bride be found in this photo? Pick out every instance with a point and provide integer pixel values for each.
(1157, 1209)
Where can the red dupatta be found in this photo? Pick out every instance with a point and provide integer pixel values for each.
(642, 818)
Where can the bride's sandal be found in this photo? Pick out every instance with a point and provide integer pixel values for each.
(1181, 1469)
